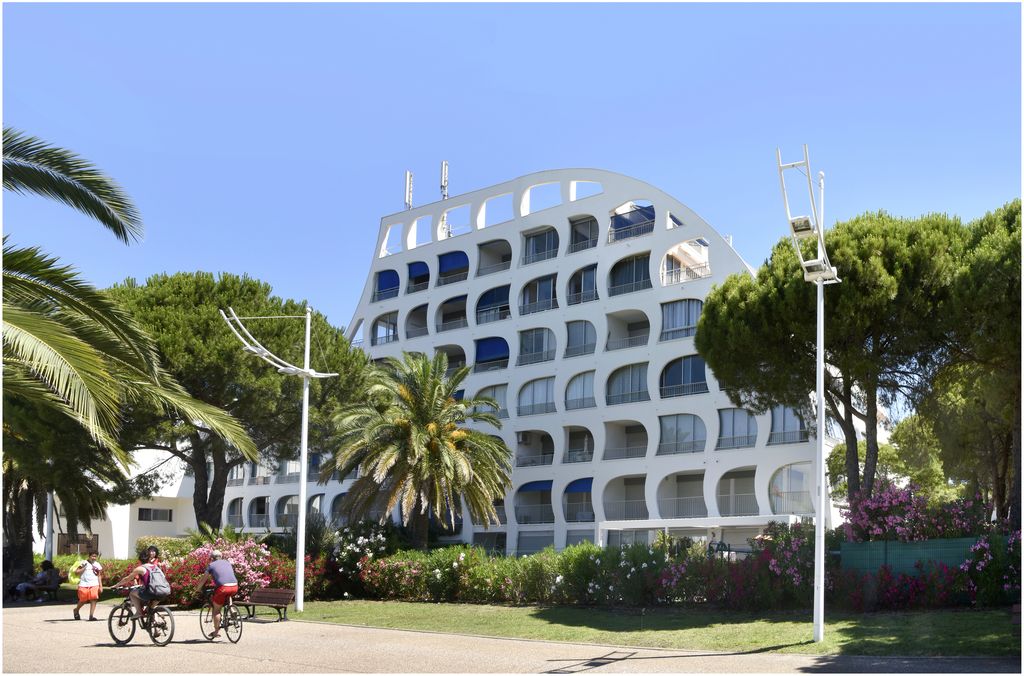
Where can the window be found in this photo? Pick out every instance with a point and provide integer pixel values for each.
(736, 494)
(498, 393)
(385, 329)
(636, 220)
(416, 322)
(682, 433)
(540, 246)
(235, 513)
(583, 286)
(737, 428)
(492, 305)
(387, 285)
(539, 295)
(452, 267)
(581, 446)
(537, 396)
(419, 277)
(629, 275)
(491, 354)
(287, 511)
(582, 338)
(679, 318)
(452, 314)
(153, 514)
(338, 517)
(628, 384)
(536, 345)
(582, 233)
(790, 489)
(787, 427)
(259, 512)
(683, 377)
(236, 475)
(579, 393)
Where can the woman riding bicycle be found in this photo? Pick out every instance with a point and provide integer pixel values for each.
(138, 580)
(226, 585)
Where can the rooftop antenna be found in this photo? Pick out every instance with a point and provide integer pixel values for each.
(444, 179)
(408, 190)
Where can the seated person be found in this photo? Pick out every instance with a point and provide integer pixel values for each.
(46, 578)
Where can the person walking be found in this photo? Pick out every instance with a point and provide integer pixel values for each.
(90, 585)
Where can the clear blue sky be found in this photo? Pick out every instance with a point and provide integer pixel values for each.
(270, 139)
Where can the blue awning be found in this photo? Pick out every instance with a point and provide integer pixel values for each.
(453, 260)
(580, 486)
(536, 486)
(387, 279)
(489, 349)
(496, 296)
(638, 215)
(418, 269)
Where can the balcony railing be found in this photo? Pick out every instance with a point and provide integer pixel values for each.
(501, 413)
(259, 520)
(234, 520)
(259, 480)
(235, 482)
(623, 343)
(285, 520)
(792, 502)
(625, 452)
(538, 256)
(286, 478)
(534, 357)
(585, 296)
(574, 455)
(577, 350)
(491, 269)
(536, 409)
(502, 519)
(492, 365)
(791, 437)
(416, 331)
(535, 460)
(629, 287)
(674, 447)
(682, 508)
(685, 274)
(683, 389)
(742, 441)
(535, 514)
(582, 245)
(538, 306)
(676, 333)
(620, 510)
(453, 324)
(493, 313)
(384, 294)
(627, 397)
(452, 277)
(579, 513)
(582, 402)
(413, 287)
(630, 231)
(737, 504)
(453, 367)
(384, 339)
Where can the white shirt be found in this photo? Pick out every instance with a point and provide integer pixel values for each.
(90, 576)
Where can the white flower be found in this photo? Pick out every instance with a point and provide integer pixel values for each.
(644, 565)
(455, 564)
(462, 556)
(632, 570)
(558, 580)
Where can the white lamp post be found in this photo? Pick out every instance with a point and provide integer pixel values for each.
(250, 344)
(820, 272)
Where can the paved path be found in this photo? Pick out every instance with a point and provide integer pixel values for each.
(294, 647)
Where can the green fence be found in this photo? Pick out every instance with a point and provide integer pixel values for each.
(868, 557)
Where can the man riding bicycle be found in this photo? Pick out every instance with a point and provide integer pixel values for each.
(138, 580)
(225, 583)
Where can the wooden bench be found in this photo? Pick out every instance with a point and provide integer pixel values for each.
(278, 599)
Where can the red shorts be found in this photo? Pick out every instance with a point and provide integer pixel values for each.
(88, 593)
(222, 593)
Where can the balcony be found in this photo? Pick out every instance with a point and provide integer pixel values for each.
(582, 245)
(683, 389)
(536, 409)
(385, 339)
(492, 365)
(235, 482)
(501, 413)
(384, 294)
(737, 504)
(744, 441)
(453, 367)
(792, 502)
(685, 274)
(635, 230)
(791, 437)
(535, 357)
(629, 287)
(577, 350)
(452, 277)
(491, 269)
(623, 343)
(535, 514)
(683, 508)
(493, 313)
(502, 519)
(259, 520)
(234, 520)
(538, 306)
(675, 447)
(452, 324)
(414, 287)
(416, 331)
(539, 256)
(286, 520)
(259, 480)
(677, 333)
(621, 510)
(576, 404)
(627, 397)
(574, 455)
(579, 513)
(585, 296)
(287, 478)
(625, 452)
(535, 460)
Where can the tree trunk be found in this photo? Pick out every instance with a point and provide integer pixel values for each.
(850, 432)
(20, 535)
(871, 438)
(1015, 453)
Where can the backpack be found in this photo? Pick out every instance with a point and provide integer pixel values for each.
(158, 584)
(73, 576)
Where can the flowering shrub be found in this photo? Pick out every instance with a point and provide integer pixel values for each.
(993, 572)
(902, 514)
(358, 541)
(249, 559)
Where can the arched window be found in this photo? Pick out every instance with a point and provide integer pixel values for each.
(537, 396)
(737, 428)
(582, 338)
(628, 384)
(790, 489)
(338, 517)
(787, 427)
(679, 318)
(235, 513)
(683, 433)
(630, 274)
(683, 376)
(287, 511)
(579, 393)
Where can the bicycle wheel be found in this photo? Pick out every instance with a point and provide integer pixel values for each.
(232, 623)
(206, 621)
(121, 625)
(161, 625)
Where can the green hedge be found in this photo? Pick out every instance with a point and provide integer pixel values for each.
(170, 547)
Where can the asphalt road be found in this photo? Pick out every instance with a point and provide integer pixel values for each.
(45, 639)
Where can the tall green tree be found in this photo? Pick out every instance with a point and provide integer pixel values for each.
(882, 326)
(409, 442)
(198, 348)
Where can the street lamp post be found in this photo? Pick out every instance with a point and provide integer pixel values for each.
(250, 344)
(820, 272)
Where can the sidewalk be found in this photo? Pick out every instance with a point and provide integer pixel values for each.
(308, 647)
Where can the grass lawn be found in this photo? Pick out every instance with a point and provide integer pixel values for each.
(945, 632)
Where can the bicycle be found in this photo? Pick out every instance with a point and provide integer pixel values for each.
(230, 618)
(158, 621)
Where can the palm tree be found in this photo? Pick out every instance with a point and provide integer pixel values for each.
(65, 344)
(408, 442)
